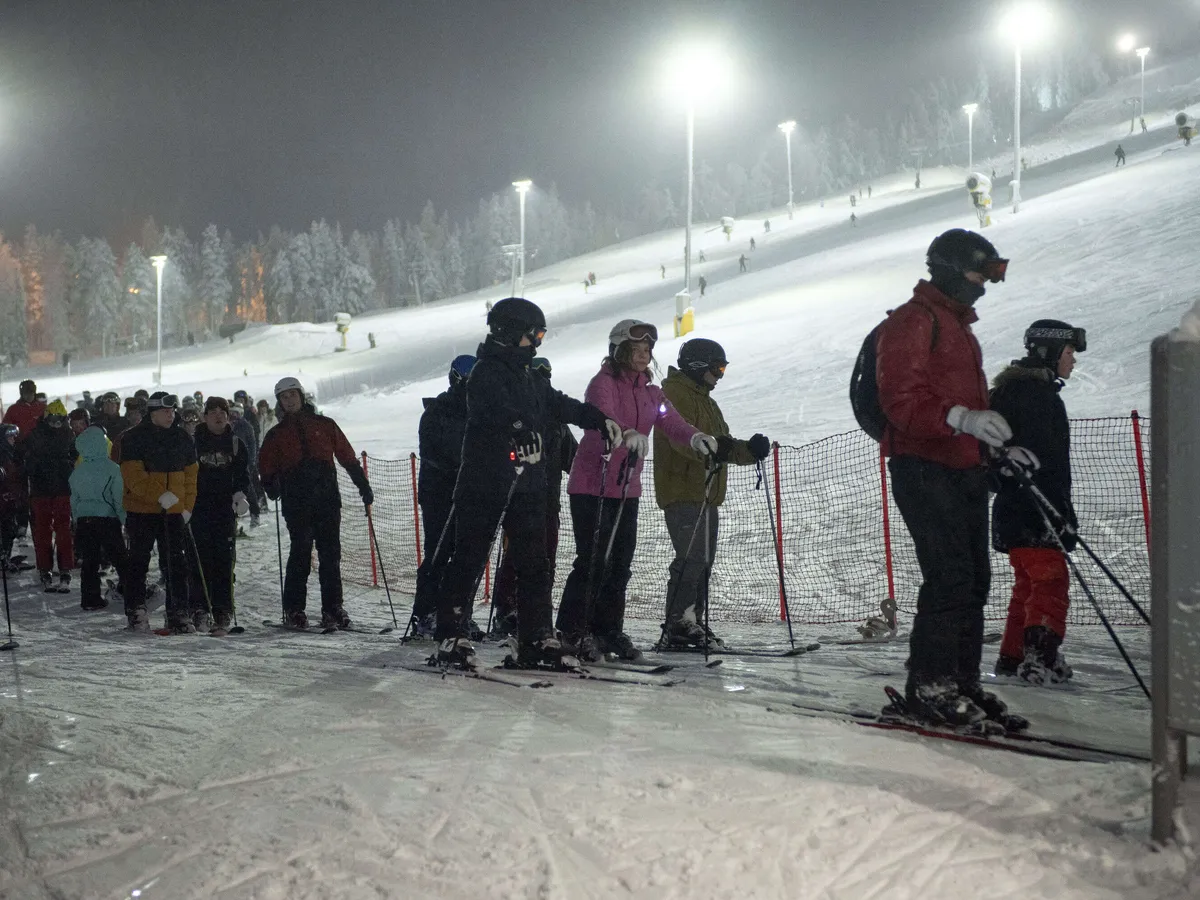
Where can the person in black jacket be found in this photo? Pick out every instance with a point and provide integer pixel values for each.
(560, 446)
(49, 461)
(1027, 395)
(109, 415)
(440, 437)
(222, 483)
(502, 479)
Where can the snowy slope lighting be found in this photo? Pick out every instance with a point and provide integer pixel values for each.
(159, 263)
(522, 186)
(970, 109)
(787, 128)
(1024, 24)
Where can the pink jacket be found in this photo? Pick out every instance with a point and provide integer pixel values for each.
(632, 401)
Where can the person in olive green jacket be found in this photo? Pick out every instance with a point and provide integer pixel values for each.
(679, 475)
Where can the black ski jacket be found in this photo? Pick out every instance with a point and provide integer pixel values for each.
(440, 439)
(49, 460)
(224, 470)
(1027, 395)
(506, 405)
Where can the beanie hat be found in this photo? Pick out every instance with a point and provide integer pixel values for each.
(56, 409)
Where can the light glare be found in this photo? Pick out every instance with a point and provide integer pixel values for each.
(1027, 22)
(697, 73)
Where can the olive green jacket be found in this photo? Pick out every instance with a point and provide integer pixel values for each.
(679, 471)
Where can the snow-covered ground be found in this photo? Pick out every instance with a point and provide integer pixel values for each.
(274, 765)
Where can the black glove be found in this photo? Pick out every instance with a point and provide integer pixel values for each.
(760, 446)
(271, 488)
(724, 448)
(368, 495)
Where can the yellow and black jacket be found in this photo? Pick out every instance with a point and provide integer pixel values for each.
(156, 460)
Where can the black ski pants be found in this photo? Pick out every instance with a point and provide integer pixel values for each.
(477, 518)
(213, 530)
(166, 530)
(98, 538)
(607, 608)
(946, 512)
(687, 587)
(307, 526)
(436, 506)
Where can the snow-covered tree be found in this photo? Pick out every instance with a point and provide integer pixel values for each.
(14, 344)
(95, 293)
(215, 290)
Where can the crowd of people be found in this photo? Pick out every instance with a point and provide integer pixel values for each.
(495, 446)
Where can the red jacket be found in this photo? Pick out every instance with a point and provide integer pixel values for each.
(920, 379)
(24, 416)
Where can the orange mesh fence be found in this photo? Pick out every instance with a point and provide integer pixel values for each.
(828, 500)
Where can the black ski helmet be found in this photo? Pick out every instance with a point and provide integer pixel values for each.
(514, 318)
(700, 355)
(1046, 339)
(958, 251)
(460, 368)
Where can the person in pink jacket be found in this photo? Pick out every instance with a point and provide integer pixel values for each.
(592, 613)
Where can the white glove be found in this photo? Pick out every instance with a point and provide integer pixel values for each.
(1021, 458)
(240, 505)
(985, 424)
(531, 453)
(704, 444)
(187, 517)
(636, 443)
(614, 433)
(167, 500)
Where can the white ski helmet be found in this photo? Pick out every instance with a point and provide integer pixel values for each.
(288, 384)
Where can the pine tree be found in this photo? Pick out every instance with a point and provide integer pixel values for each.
(394, 268)
(14, 346)
(216, 293)
(138, 300)
(454, 266)
(94, 294)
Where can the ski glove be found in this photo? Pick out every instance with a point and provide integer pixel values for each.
(530, 452)
(704, 444)
(166, 500)
(985, 424)
(1019, 459)
(760, 446)
(613, 434)
(368, 495)
(636, 443)
(240, 505)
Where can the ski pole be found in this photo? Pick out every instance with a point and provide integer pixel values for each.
(432, 561)
(279, 547)
(382, 571)
(236, 629)
(627, 465)
(787, 612)
(708, 480)
(499, 563)
(169, 594)
(589, 593)
(11, 644)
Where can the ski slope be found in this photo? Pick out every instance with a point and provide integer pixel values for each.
(276, 765)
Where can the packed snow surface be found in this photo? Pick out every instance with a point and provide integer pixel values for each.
(280, 765)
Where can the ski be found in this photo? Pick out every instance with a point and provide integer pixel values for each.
(613, 677)
(481, 675)
(629, 666)
(354, 628)
(799, 650)
(316, 629)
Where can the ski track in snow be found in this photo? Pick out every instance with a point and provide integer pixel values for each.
(276, 765)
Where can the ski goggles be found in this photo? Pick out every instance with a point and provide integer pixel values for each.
(638, 331)
(167, 401)
(536, 335)
(994, 269)
(1077, 337)
(541, 365)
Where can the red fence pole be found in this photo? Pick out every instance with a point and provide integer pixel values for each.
(779, 533)
(370, 531)
(1141, 464)
(887, 525)
(412, 459)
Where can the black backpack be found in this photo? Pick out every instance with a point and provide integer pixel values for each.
(864, 389)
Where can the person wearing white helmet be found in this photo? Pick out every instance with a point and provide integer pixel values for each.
(605, 486)
(296, 464)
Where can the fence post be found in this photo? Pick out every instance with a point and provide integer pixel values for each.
(370, 531)
(779, 531)
(887, 525)
(412, 459)
(1141, 464)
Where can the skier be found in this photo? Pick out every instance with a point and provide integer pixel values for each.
(560, 447)
(663, 270)
(1142, 119)
(49, 460)
(242, 399)
(266, 416)
(98, 513)
(679, 483)
(439, 440)
(853, 201)
(135, 414)
(256, 496)
(158, 465)
(1027, 395)
(868, 192)
(502, 479)
(12, 493)
(297, 467)
(703, 258)
(766, 226)
(753, 245)
(78, 419)
(703, 282)
(592, 612)
(933, 392)
(190, 420)
(27, 411)
(222, 485)
(109, 417)
(742, 263)
(853, 220)
(1120, 154)
(918, 181)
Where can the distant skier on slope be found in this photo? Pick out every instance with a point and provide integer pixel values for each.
(1027, 394)
(933, 392)
(1119, 153)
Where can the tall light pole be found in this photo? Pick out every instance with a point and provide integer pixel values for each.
(159, 263)
(787, 128)
(1142, 53)
(1025, 22)
(522, 187)
(969, 109)
(1125, 45)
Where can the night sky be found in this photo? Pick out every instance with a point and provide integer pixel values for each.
(249, 113)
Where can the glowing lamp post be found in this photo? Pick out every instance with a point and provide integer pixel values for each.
(159, 263)
(787, 128)
(1025, 23)
(1142, 53)
(969, 109)
(522, 187)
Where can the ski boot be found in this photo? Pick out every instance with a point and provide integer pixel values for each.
(295, 618)
(139, 620)
(545, 653)
(1043, 663)
(474, 632)
(936, 700)
(181, 627)
(619, 645)
(112, 594)
(91, 604)
(422, 628)
(1006, 666)
(503, 627)
(48, 583)
(221, 621)
(335, 618)
(995, 709)
(454, 652)
(202, 620)
(64, 583)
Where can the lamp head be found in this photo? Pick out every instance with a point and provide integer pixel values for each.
(1027, 22)
(970, 108)
(1125, 43)
(697, 73)
(158, 261)
(523, 185)
(788, 127)
(1142, 52)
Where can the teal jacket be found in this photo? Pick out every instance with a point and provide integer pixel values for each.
(96, 483)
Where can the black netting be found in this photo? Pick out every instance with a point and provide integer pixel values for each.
(831, 516)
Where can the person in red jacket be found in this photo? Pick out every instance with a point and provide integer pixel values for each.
(296, 464)
(933, 391)
(25, 414)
